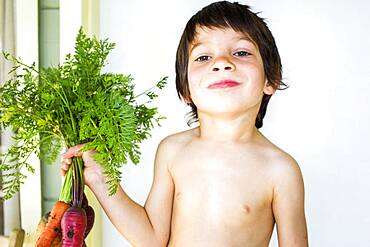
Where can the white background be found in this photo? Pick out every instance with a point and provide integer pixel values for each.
(322, 120)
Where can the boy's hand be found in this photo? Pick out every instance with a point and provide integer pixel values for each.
(92, 170)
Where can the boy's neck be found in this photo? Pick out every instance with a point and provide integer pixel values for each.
(239, 128)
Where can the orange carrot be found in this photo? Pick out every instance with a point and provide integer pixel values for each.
(53, 227)
(57, 242)
(41, 225)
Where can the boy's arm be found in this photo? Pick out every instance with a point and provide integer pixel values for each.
(288, 205)
(142, 226)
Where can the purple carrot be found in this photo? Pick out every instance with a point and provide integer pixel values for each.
(73, 227)
(90, 214)
(85, 202)
(74, 220)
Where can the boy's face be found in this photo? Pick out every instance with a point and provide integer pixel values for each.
(225, 72)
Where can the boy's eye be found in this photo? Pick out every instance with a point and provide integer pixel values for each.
(242, 53)
(202, 58)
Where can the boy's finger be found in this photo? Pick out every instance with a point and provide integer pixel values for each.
(62, 172)
(64, 161)
(65, 167)
(73, 151)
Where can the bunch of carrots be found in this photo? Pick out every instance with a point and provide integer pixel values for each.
(68, 224)
(72, 103)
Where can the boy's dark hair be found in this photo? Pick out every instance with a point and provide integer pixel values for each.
(225, 14)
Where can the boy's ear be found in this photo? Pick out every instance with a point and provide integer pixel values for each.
(269, 89)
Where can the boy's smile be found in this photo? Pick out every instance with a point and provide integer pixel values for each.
(223, 84)
(225, 72)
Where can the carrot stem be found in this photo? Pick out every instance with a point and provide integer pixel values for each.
(66, 193)
(75, 183)
(81, 181)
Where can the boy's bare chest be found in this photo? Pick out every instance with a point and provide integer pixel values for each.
(222, 198)
(221, 185)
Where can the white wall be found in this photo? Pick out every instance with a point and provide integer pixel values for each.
(322, 119)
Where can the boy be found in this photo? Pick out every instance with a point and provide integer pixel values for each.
(222, 183)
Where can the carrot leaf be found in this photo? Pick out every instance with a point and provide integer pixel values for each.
(74, 102)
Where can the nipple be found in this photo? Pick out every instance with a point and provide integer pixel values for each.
(247, 209)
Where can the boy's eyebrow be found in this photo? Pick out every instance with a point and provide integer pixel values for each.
(194, 46)
(246, 38)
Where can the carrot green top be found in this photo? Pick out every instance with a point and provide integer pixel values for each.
(73, 103)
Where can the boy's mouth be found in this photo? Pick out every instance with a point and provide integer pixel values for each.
(223, 84)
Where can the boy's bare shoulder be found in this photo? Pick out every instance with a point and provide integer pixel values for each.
(282, 165)
(173, 143)
(181, 138)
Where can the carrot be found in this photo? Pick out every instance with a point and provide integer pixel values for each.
(74, 220)
(52, 227)
(90, 215)
(57, 242)
(42, 224)
(73, 227)
(85, 202)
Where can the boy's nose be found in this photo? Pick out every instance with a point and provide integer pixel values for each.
(222, 64)
(216, 68)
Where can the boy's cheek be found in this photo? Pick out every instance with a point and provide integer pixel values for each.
(196, 94)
